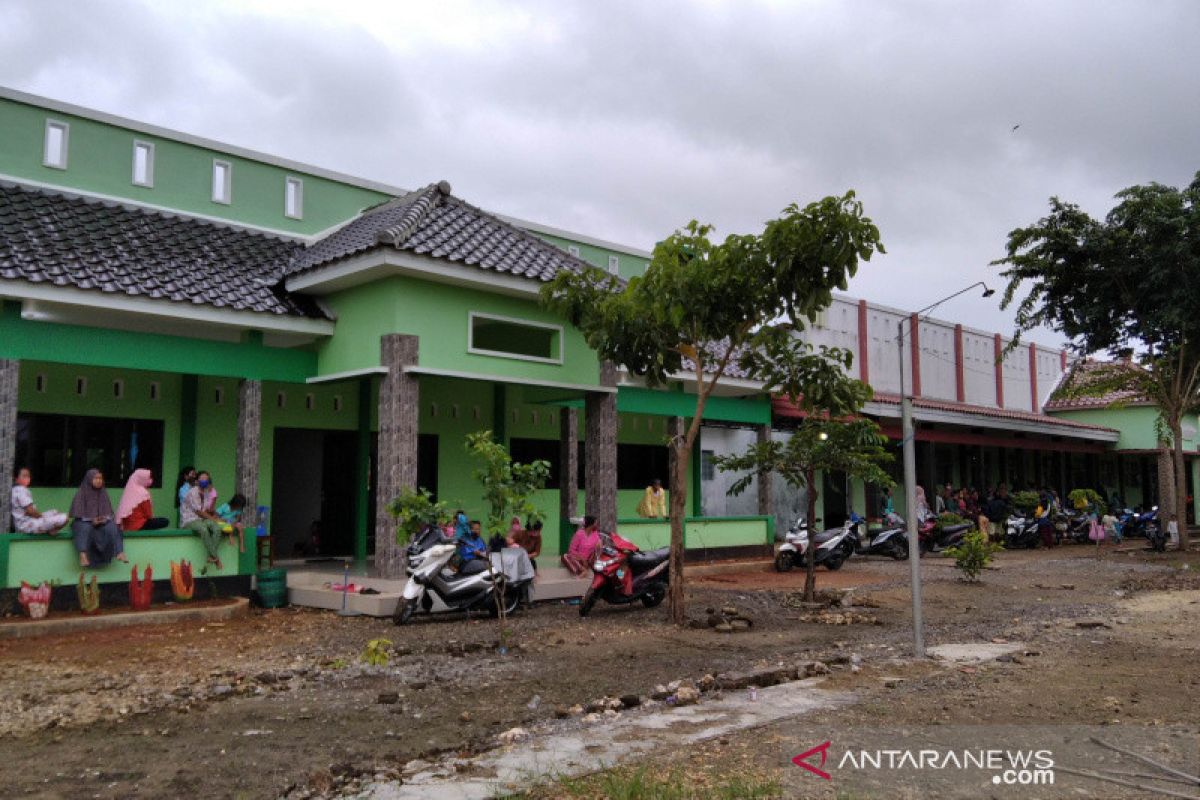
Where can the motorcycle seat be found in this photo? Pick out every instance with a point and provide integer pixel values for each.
(825, 536)
(641, 561)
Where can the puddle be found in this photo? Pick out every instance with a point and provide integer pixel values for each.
(974, 653)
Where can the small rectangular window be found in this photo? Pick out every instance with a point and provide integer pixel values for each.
(281, 400)
(514, 338)
(81, 386)
(573, 250)
(143, 163)
(219, 395)
(293, 198)
(39, 383)
(708, 470)
(337, 402)
(614, 265)
(310, 401)
(222, 182)
(154, 390)
(57, 136)
(118, 389)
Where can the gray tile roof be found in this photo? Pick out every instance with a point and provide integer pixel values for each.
(53, 239)
(432, 222)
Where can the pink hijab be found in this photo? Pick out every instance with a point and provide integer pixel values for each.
(135, 493)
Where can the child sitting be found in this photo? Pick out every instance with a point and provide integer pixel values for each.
(231, 514)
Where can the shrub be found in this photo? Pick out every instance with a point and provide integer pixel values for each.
(1025, 502)
(1081, 499)
(973, 555)
(376, 652)
(949, 518)
(415, 510)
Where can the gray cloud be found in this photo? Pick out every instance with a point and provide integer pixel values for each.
(626, 119)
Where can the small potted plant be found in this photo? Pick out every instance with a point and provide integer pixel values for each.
(183, 585)
(141, 591)
(36, 602)
(89, 596)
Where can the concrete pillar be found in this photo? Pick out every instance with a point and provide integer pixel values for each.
(9, 370)
(600, 436)
(249, 435)
(399, 413)
(764, 481)
(568, 473)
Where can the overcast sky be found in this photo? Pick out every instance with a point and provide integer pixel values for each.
(624, 120)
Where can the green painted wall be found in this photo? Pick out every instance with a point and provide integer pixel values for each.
(104, 347)
(699, 532)
(628, 265)
(1136, 424)
(753, 411)
(438, 314)
(36, 558)
(101, 160)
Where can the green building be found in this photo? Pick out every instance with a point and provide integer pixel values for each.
(315, 341)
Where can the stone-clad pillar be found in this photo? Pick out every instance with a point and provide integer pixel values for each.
(568, 461)
(399, 413)
(249, 436)
(8, 436)
(600, 455)
(764, 481)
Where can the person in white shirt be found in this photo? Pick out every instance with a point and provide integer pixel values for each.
(1173, 531)
(26, 516)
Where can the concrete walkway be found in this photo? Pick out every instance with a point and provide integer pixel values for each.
(74, 622)
(584, 748)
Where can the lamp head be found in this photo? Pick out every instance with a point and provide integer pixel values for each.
(988, 292)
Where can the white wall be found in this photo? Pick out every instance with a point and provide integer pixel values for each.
(979, 370)
(837, 327)
(883, 355)
(938, 373)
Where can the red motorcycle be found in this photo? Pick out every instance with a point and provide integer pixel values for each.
(624, 574)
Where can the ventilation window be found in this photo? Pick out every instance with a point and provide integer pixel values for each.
(454, 411)
(516, 416)
(433, 409)
(143, 164)
(154, 393)
(81, 386)
(337, 402)
(281, 400)
(533, 416)
(573, 250)
(219, 395)
(614, 264)
(118, 389)
(310, 401)
(514, 338)
(475, 412)
(55, 153)
(293, 198)
(222, 182)
(39, 383)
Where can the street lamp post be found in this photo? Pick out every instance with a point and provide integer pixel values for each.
(908, 440)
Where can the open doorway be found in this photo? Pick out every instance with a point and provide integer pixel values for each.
(312, 492)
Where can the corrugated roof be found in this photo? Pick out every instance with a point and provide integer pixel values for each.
(54, 239)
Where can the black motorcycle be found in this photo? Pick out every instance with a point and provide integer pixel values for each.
(1022, 532)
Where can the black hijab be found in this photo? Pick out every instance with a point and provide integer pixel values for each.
(89, 501)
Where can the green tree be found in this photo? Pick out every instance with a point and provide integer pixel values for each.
(854, 446)
(703, 307)
(1129, 282)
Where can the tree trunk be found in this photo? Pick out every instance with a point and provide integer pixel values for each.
(810, 558)
(677, 605)
(1180, 487)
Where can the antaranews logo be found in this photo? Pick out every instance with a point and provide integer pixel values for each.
(1008, 767)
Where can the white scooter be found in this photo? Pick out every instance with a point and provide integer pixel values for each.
(469, 589)
(834, 546)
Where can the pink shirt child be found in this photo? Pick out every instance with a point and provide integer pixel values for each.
(584, 544)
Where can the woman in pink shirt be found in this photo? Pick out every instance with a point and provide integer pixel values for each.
(582, 551)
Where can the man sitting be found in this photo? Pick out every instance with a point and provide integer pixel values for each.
(582, 550)
(472, 550)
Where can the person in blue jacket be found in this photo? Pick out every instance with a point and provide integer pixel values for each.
(472, 549)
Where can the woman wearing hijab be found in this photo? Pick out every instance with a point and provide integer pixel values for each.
(135, 512)
(922, 505)
(97, 537)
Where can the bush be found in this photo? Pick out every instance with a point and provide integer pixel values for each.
(973, 555)
(1025, 502)
(415, 510)
(949, 518)
(1081, 499)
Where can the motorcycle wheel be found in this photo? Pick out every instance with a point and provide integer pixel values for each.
(834, 563)
(511, 601)
(404, 611)
(654, 597)
(588, 601)
(899, 551)
(784, 562)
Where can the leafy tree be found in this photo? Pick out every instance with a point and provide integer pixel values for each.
(1129, 282)
(415, 510)
(854, 446)
(703, 307)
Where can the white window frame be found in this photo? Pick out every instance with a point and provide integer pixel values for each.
(64, 151)
(139, 144)
(480, 351)
(573, 250)
(614, 265)
(288, 183)
(225, 197)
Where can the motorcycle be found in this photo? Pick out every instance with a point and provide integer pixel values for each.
(470, 589)
(933, 540)
(624, 574)
(890, 540)
(834, 546)
(1153, 530)
(1022, 532)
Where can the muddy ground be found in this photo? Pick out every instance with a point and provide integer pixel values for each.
(276, 703)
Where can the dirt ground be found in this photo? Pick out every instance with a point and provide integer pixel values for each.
(274, 704)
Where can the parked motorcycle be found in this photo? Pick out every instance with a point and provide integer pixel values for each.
(933, 540)
(624, 574)
(1020, 531)
(834, 546)
(1152, 529)
(890, 540)
(470, 589)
